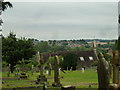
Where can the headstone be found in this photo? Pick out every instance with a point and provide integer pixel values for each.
(69, 87)
(41, 78)
(56, 73)
(71, 68)
(83, 70)
(115, 64)
(47, 72)
(23, 75)
(17, 69)
(49, 69)
(103, 73)
(59, 71)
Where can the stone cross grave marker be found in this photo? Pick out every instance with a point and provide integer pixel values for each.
(115, 64)
(41, 79)
(103, 72)
(56, 73)
(49, 68)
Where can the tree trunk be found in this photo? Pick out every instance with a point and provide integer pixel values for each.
(12, 69)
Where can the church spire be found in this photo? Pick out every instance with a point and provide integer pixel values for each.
(95, 48)
(94, 44)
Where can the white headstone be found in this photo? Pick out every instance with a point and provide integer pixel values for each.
(32, 67)
(59, 70)
(71, 68)
(47, 72)
(83, 70)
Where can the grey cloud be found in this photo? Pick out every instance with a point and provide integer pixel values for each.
(28, 19)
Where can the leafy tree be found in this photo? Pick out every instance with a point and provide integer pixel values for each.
(5, 5)
(82, 48)
(65, 43)
(56, 48)
(70, 60)
(14, 49)
(95, 63)
(42, 46)
(117, 44)
(107, 56)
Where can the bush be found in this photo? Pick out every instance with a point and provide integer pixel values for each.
(95, 63)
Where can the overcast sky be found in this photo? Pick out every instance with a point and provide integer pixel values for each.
(57, 20)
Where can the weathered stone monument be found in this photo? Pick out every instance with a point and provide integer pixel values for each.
(71, 69)
(49, 69)
(56, 73)
(103, 73)
(83, 70)
(115, 64)
(41, 78)
(69, 87)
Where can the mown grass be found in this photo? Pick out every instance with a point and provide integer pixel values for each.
(75, 78)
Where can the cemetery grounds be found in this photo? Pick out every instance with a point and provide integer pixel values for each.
(75, 78)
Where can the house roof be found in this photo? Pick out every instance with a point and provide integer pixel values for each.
(87, 55)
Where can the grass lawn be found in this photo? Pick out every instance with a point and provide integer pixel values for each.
(75, 78)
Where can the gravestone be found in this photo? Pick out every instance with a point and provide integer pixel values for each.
(56, 73)
(71, 68)
(49, 69)
(69, 87)
(115, 64)
(32, 69)
(47, 72)
(103, 73)
(41, 78)
(83, 70)
(59, 71)
(23, 75)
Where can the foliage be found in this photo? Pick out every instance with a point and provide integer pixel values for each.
(51, 61)
(107, 56)
(42, 46)
(65, 43)
(95, 63)
(70, 60)
(82, 48)
(4, 64)
(5, 5)
(57, 48)
(15, 49)
(106, 46)
(117, 44)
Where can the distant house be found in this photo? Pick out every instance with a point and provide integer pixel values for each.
(85, 58)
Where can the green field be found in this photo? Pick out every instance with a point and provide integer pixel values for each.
(75, 78)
